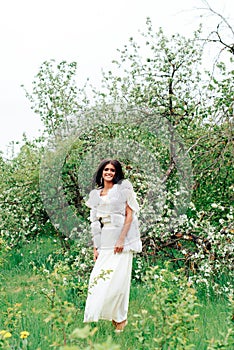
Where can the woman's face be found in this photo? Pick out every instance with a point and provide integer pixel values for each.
(108, 172)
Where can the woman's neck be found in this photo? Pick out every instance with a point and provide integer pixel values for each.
(106, 188)
(108, 185)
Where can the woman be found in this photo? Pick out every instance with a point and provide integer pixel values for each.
(116, 236)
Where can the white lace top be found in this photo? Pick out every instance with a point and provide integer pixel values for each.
(111, 209)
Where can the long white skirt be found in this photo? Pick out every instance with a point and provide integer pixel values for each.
(109, 286)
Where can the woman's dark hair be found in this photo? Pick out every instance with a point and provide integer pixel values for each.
(119, 175)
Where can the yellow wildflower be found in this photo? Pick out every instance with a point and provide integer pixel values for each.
(5, 334)
(24, 334)
(18, 305)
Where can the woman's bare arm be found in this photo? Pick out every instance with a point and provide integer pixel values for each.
(127, 223)
(95, 253)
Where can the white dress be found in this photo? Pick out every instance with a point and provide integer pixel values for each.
(109, 285)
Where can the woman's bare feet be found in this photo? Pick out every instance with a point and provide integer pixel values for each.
(119, 326)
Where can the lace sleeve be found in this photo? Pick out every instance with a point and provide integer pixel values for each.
(95, 226)
(132, 202)
(130, 195)
(92, 201)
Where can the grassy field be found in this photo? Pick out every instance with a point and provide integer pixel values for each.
(24, 306)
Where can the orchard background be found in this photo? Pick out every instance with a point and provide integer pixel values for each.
(158, 104)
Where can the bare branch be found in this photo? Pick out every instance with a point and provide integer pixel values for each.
(219, 15)
(230, 47)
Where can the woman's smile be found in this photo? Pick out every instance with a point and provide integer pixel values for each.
(108, 172)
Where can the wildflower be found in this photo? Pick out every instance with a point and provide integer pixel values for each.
(5, 334)
(214, 205)
(18, 304)
(24, 334)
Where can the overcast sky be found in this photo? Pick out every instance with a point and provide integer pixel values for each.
(89, 32)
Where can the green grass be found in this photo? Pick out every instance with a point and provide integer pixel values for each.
(21, 285)
(211, 323)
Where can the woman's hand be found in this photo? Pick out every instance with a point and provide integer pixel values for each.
(119, 246)
(95, 254)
